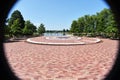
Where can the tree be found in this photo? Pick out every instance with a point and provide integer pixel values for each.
(29, 28)
(16, 15)
(15, 28)
(81, 24)
(102, 24)
(103, 20)
(64, 31)
(67, 30)
(41, 29)
(74, 27)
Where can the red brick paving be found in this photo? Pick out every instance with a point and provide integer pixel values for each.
(46, 62)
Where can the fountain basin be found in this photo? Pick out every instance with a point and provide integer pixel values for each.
(63, 40)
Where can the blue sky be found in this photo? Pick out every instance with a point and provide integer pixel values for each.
(57, 14)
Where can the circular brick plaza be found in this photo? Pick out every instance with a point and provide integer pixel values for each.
(72, 62)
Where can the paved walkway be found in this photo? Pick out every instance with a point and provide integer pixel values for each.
(47, 62)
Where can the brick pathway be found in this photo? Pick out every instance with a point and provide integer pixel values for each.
(45, 62)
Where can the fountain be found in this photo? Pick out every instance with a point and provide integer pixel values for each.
(63, 40)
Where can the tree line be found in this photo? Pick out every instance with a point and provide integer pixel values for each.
(16, 26)
(100, 24)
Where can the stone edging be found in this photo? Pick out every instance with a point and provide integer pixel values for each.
(51, 43)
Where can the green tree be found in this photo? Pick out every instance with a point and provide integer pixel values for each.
(103, 20)
(64, 30)
(29, 28)
(15, 28)
(81, 24)
(86, 23)
(74, 27)
(102, 24)
(16, 15)
(41, 29)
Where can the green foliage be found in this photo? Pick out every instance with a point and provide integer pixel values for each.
(29, 28)
(18, 27)
(15, 24)
(80, 24)
(15, 28)
(16, 15)
(35, 34)
(74, 27)
(101, 23)
(64, 30)
(41, 29)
